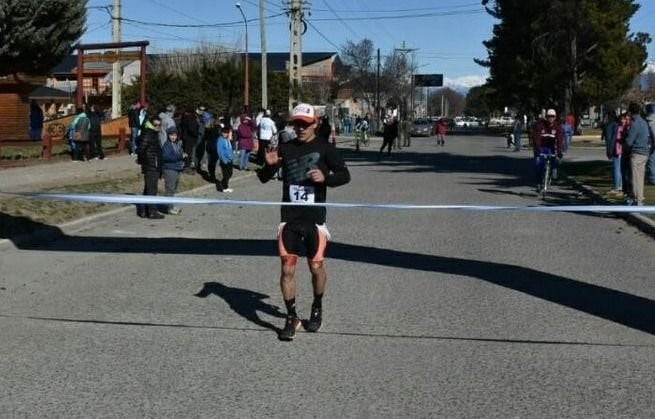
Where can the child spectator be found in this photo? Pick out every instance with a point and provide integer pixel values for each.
(173, 164)
(225, 157)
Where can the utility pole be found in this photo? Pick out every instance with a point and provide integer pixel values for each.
(295, 52)
(116, 69)
(262, 30)
(404, 123)
(377, 94)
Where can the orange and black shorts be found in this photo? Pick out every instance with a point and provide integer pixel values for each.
(308, 240)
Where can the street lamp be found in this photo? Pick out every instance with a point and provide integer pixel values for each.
(246, 83)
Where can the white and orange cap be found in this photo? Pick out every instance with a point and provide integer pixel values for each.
(551, 112)
(303, 112)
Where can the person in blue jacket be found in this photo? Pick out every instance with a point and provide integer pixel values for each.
(225, 158)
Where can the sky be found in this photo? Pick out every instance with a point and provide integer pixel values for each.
(446, 34)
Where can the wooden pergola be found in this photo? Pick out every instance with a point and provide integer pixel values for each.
(110, 56)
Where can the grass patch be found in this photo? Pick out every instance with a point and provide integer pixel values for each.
(24, 215)
(598, 175)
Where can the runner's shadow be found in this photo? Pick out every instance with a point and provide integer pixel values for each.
(245, 303)
(24, 231)
(618, 306)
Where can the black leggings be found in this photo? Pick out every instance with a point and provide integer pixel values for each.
(386, 142)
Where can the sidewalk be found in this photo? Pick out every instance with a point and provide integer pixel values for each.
(35, 177)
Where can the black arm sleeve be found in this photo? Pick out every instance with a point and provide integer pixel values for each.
(339, 173)
(267, 172)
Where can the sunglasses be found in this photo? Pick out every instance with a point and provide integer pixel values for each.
(300, 124)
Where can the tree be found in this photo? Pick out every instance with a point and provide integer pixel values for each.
(35, 35)
(454, 102)
(358, 65)
(480, 101)
(566, 54)
(209, 75)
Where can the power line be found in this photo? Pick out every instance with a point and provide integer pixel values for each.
(322, 36)
(404, 10)
(206, 25)
(345, 25)
(410, 16)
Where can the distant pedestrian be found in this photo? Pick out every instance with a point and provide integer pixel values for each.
(517, 130)
(266, 132)
(36, 121)
(442, 129)
(639, 144)
(225, 158)
(95, 133)
(80, 131)
(245, 138)
(172, 165)
(389, 134)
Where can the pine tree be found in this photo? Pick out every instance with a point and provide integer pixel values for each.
(566, 54)
(35, 35)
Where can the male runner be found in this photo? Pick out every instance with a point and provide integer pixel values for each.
(308, 167)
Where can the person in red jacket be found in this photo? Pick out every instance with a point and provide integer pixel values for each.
(442, 128)
(547, 140)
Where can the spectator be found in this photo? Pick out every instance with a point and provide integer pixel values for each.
(226, 158)
(324, 130)
(245, 138)
(267, 130)
(134, 124)
(612, 135)
(650, 118)
(36, 121)
(95, 133)
(638, 143)
(204, 120)
(80, 129)
(190, 130)
(150, 159)
(167, 122)
(172, 165)
(212, 131)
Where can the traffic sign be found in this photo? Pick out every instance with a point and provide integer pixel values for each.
(429, 80)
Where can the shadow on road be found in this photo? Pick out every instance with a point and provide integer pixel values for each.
(621, 307)
(245, 303)
(23, 230)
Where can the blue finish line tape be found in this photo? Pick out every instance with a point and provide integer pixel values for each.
(162, 200)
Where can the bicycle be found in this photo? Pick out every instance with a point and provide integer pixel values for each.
(361, 137)
(544, 186)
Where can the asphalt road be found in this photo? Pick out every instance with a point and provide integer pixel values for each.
(427, 314)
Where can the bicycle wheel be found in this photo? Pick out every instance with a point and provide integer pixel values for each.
(547, 178)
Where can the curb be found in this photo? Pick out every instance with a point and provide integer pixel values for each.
(51, 233)
(643, 223)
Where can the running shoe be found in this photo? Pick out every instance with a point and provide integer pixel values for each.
(315, 320)
(289, 332)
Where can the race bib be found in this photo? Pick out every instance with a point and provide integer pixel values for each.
(301, 194)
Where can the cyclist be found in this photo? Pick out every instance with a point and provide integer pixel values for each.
(362, 131)
(548, 137)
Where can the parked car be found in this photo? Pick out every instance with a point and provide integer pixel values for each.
(466, 121)
(422, 127)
